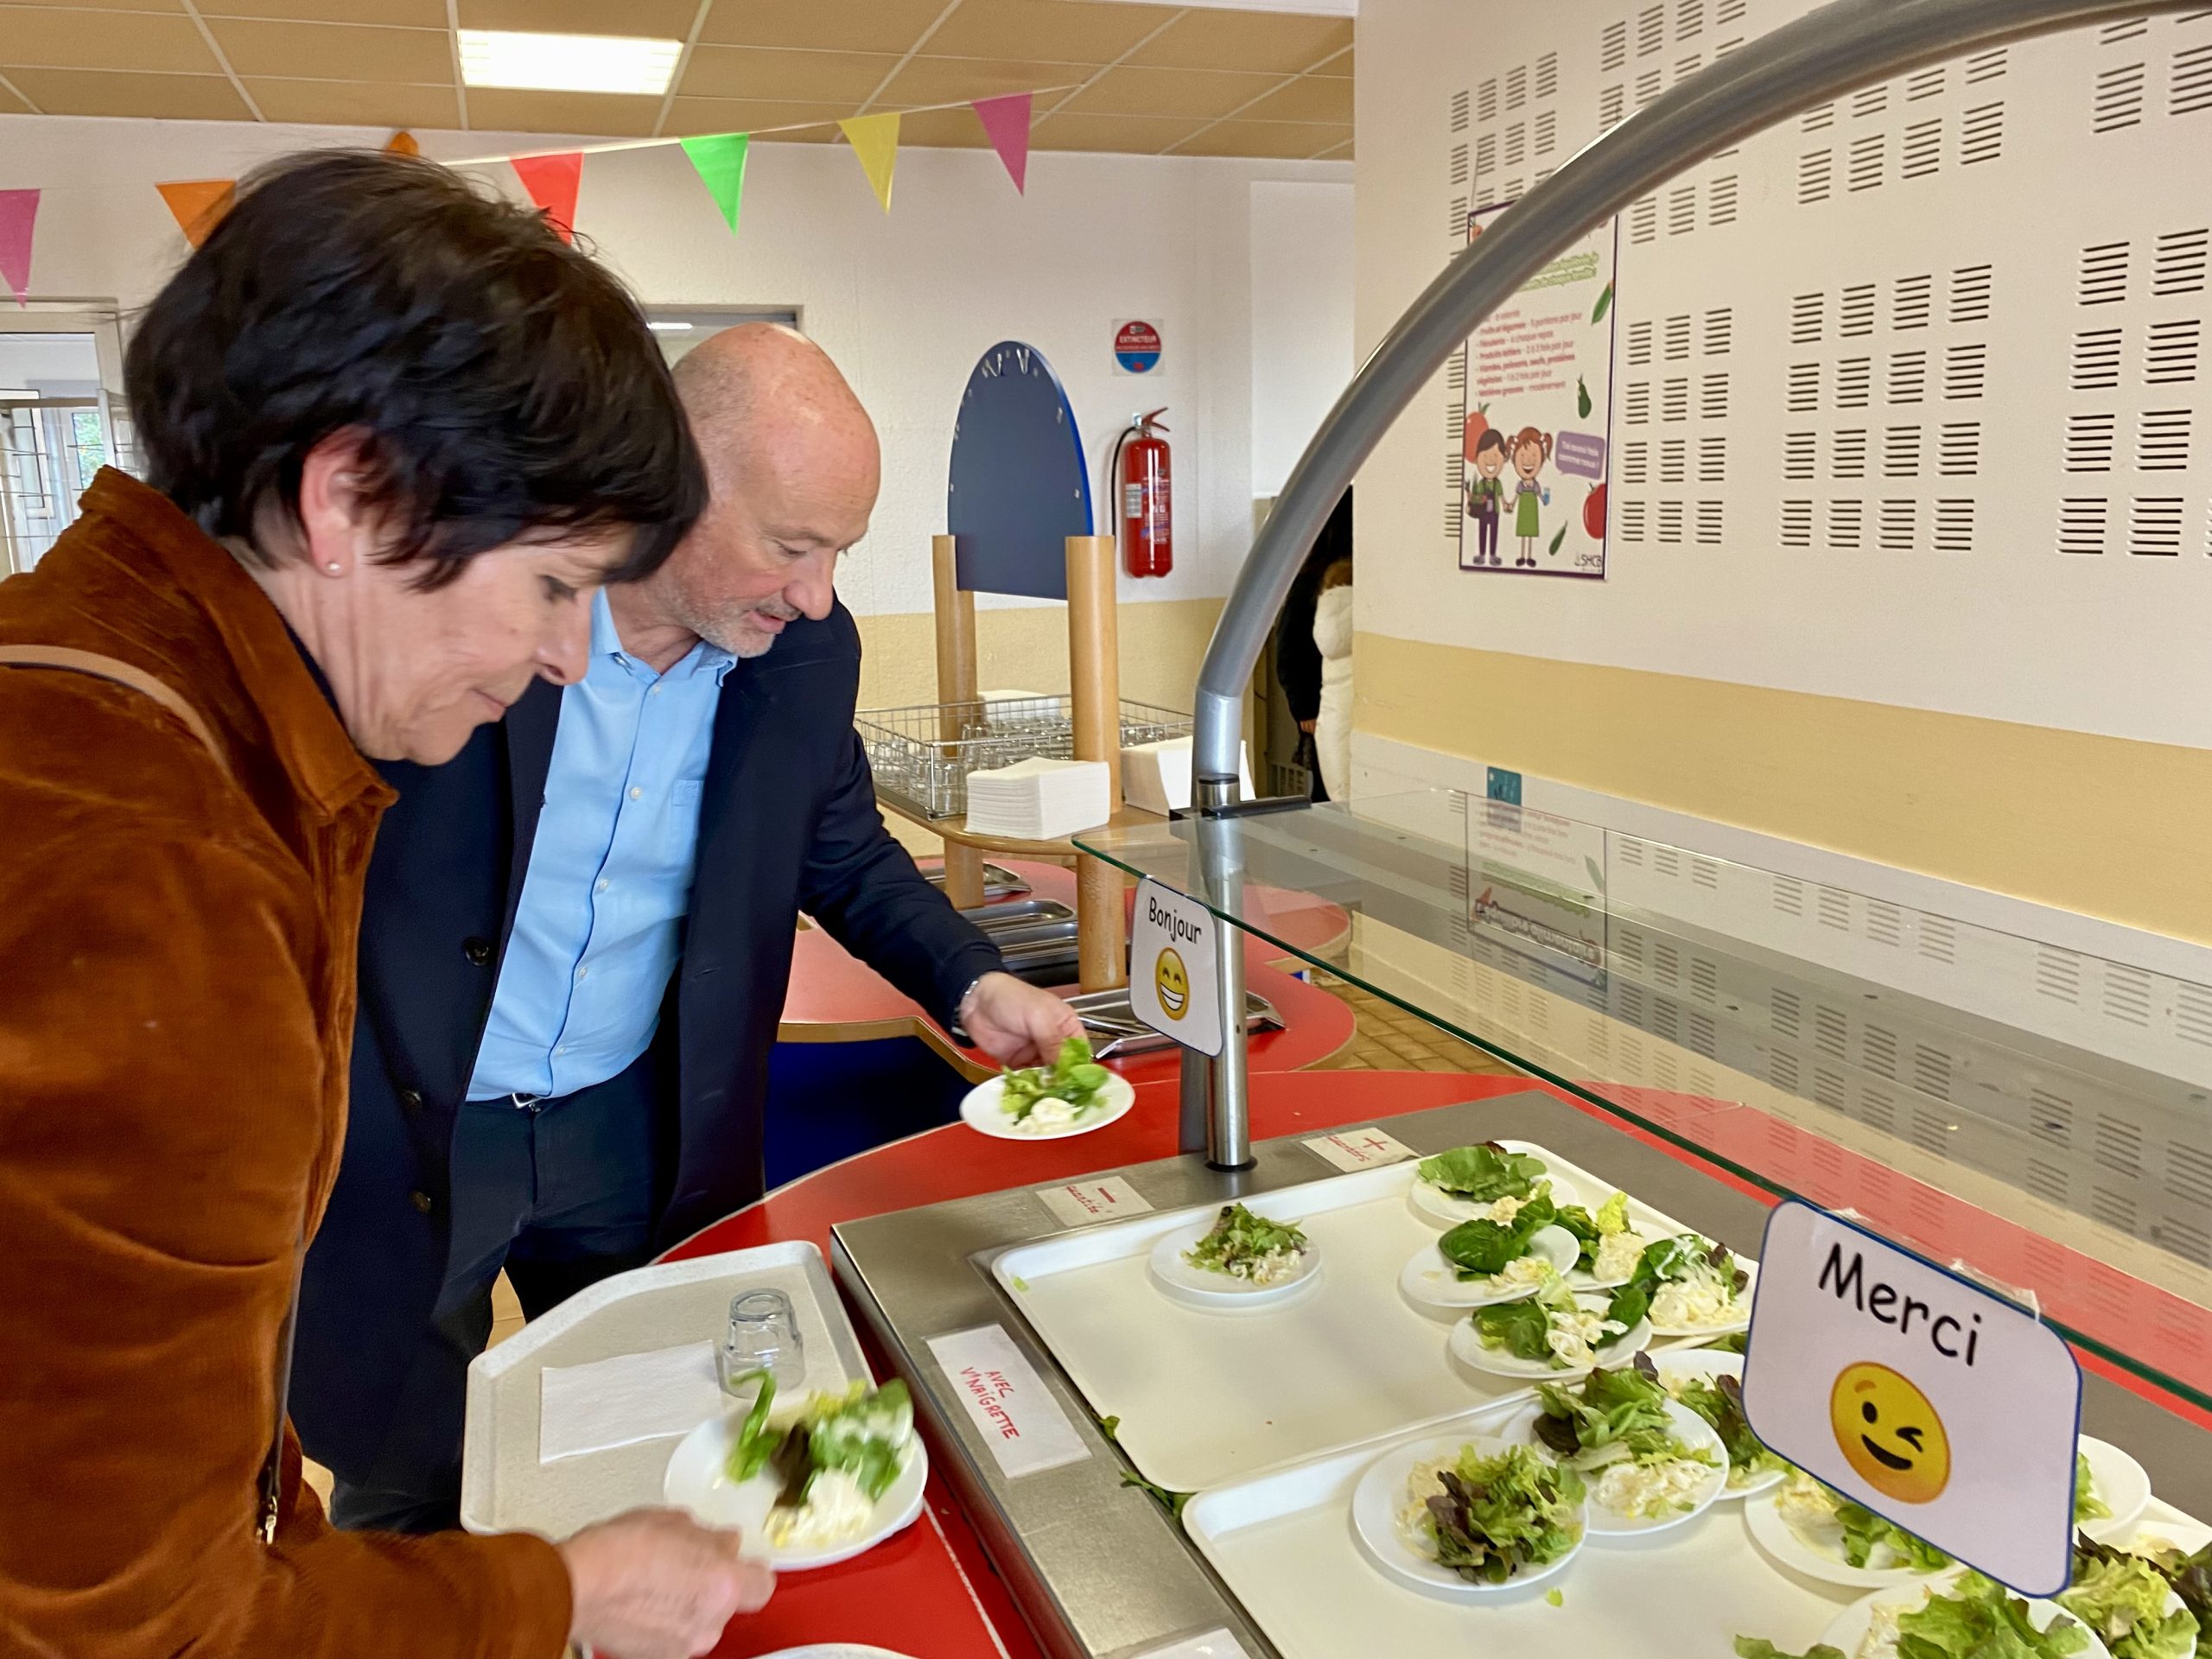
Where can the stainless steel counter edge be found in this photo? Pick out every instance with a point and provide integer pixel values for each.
(1098, 1568)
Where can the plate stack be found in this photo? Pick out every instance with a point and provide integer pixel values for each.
(1039, 799)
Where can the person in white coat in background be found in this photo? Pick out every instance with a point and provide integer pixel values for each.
(1332, 637)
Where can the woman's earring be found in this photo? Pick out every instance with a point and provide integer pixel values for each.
(335, 568)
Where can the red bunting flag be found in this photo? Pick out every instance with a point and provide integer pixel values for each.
(1005, 121)
(18, 212)
(552, 182)
(198, 205)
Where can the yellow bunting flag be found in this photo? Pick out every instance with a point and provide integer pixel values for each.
(720, 161)
(874, 139)
(198, 205)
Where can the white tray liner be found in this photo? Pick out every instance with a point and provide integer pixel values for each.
(1205, 1397)
(1284, 1544)
(504, 1486)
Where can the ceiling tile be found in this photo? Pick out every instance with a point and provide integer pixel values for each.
(1340, 65)
(1287, 138)
(159, 97)
(660, 20)
(1309, 98)
(407, 14)
(1054, 31)
(356, 103)
(949, 80)
(689, 115)
(1171, 92)
(10, 105)
(761, 72)
(334, 51)
(1336, 146)
(107, 5)
(1135, 135)
(503, 109)
(826, 25)
(104, 40)
(1269, 41)
(943, 130)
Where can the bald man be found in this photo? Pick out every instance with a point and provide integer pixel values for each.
(577, 936)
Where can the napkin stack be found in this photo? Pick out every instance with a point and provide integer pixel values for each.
(1039, 799)
(1157, 775)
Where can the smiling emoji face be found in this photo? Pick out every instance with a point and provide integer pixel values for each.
(1889, 1434)
(1172, 981)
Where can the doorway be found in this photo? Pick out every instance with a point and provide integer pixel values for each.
(57, 426)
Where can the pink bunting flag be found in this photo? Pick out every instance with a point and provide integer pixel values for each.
(1005, 121)
(18, 212)
(552, 182)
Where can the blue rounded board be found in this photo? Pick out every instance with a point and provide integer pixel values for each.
(1020, 486)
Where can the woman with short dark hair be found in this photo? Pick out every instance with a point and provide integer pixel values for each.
(394, 434)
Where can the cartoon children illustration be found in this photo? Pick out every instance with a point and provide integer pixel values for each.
(1485, 494)
(1531, 449)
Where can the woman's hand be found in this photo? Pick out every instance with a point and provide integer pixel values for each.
(1015, 1023)
(654, 1584)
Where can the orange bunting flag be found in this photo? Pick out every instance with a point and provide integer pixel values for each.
(403, 143)
(552, 182)
(18, 213)
(1006, 122)
(198, 205)
(874, 139)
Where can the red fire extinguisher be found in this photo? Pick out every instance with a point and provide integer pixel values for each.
(1140, 471)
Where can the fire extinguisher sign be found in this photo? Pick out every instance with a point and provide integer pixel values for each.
(1136, 346)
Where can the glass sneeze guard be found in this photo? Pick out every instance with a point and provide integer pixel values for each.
(2039, 1116)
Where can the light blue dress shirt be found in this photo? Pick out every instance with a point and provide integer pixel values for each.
(609, 882)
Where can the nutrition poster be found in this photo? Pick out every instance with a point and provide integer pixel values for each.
(1535, 442)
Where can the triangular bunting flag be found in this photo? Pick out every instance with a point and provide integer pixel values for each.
(719, 160)
(18, 212)
(552, 182)
(874, 139)
(1005, 120)
(403, 143)
(198, 205)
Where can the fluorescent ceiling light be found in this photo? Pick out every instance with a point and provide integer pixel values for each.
(659, 328)
(567, 63)
(1311, 8)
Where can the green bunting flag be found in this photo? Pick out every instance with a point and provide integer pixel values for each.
(719, 160)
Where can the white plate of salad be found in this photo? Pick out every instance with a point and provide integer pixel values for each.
(1237, 1257)
(1463, 1518)
(1612, 1248)
(1073, 1096)
(1649, 1464)
(1480, 1263)
(819, 1480)
(2131, 1598)
(1554, 1334)
(1961, 1613)
(1711, 1383)
(2110, 1492)
(1489, 1182)
(1698, 1288)
(1810, 1529)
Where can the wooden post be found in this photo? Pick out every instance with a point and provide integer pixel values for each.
(956, 682)
(1094, 698)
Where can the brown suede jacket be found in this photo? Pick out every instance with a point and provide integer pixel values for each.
(176, 1005)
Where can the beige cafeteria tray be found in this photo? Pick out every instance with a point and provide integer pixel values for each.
(504, 1486)
(1205, 1398)
(1284, 1544)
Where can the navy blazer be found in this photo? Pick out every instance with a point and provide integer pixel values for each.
(787, 822)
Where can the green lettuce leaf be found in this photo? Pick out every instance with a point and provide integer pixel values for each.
(1484, 1173)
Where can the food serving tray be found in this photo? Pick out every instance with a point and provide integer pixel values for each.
(1284, 1544)
(1205, 1397)
(504, 1486)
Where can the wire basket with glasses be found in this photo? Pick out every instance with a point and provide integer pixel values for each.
(922, 754)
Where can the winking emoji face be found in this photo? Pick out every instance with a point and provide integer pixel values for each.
(1172, 981)
(1890, 1434)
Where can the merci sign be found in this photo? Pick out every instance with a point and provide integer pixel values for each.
(1936, 1404)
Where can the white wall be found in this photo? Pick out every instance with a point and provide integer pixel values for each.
(2022, 160)
(905, 302)
(1302, 318)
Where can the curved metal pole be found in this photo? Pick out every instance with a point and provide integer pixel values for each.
(1823, 55)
